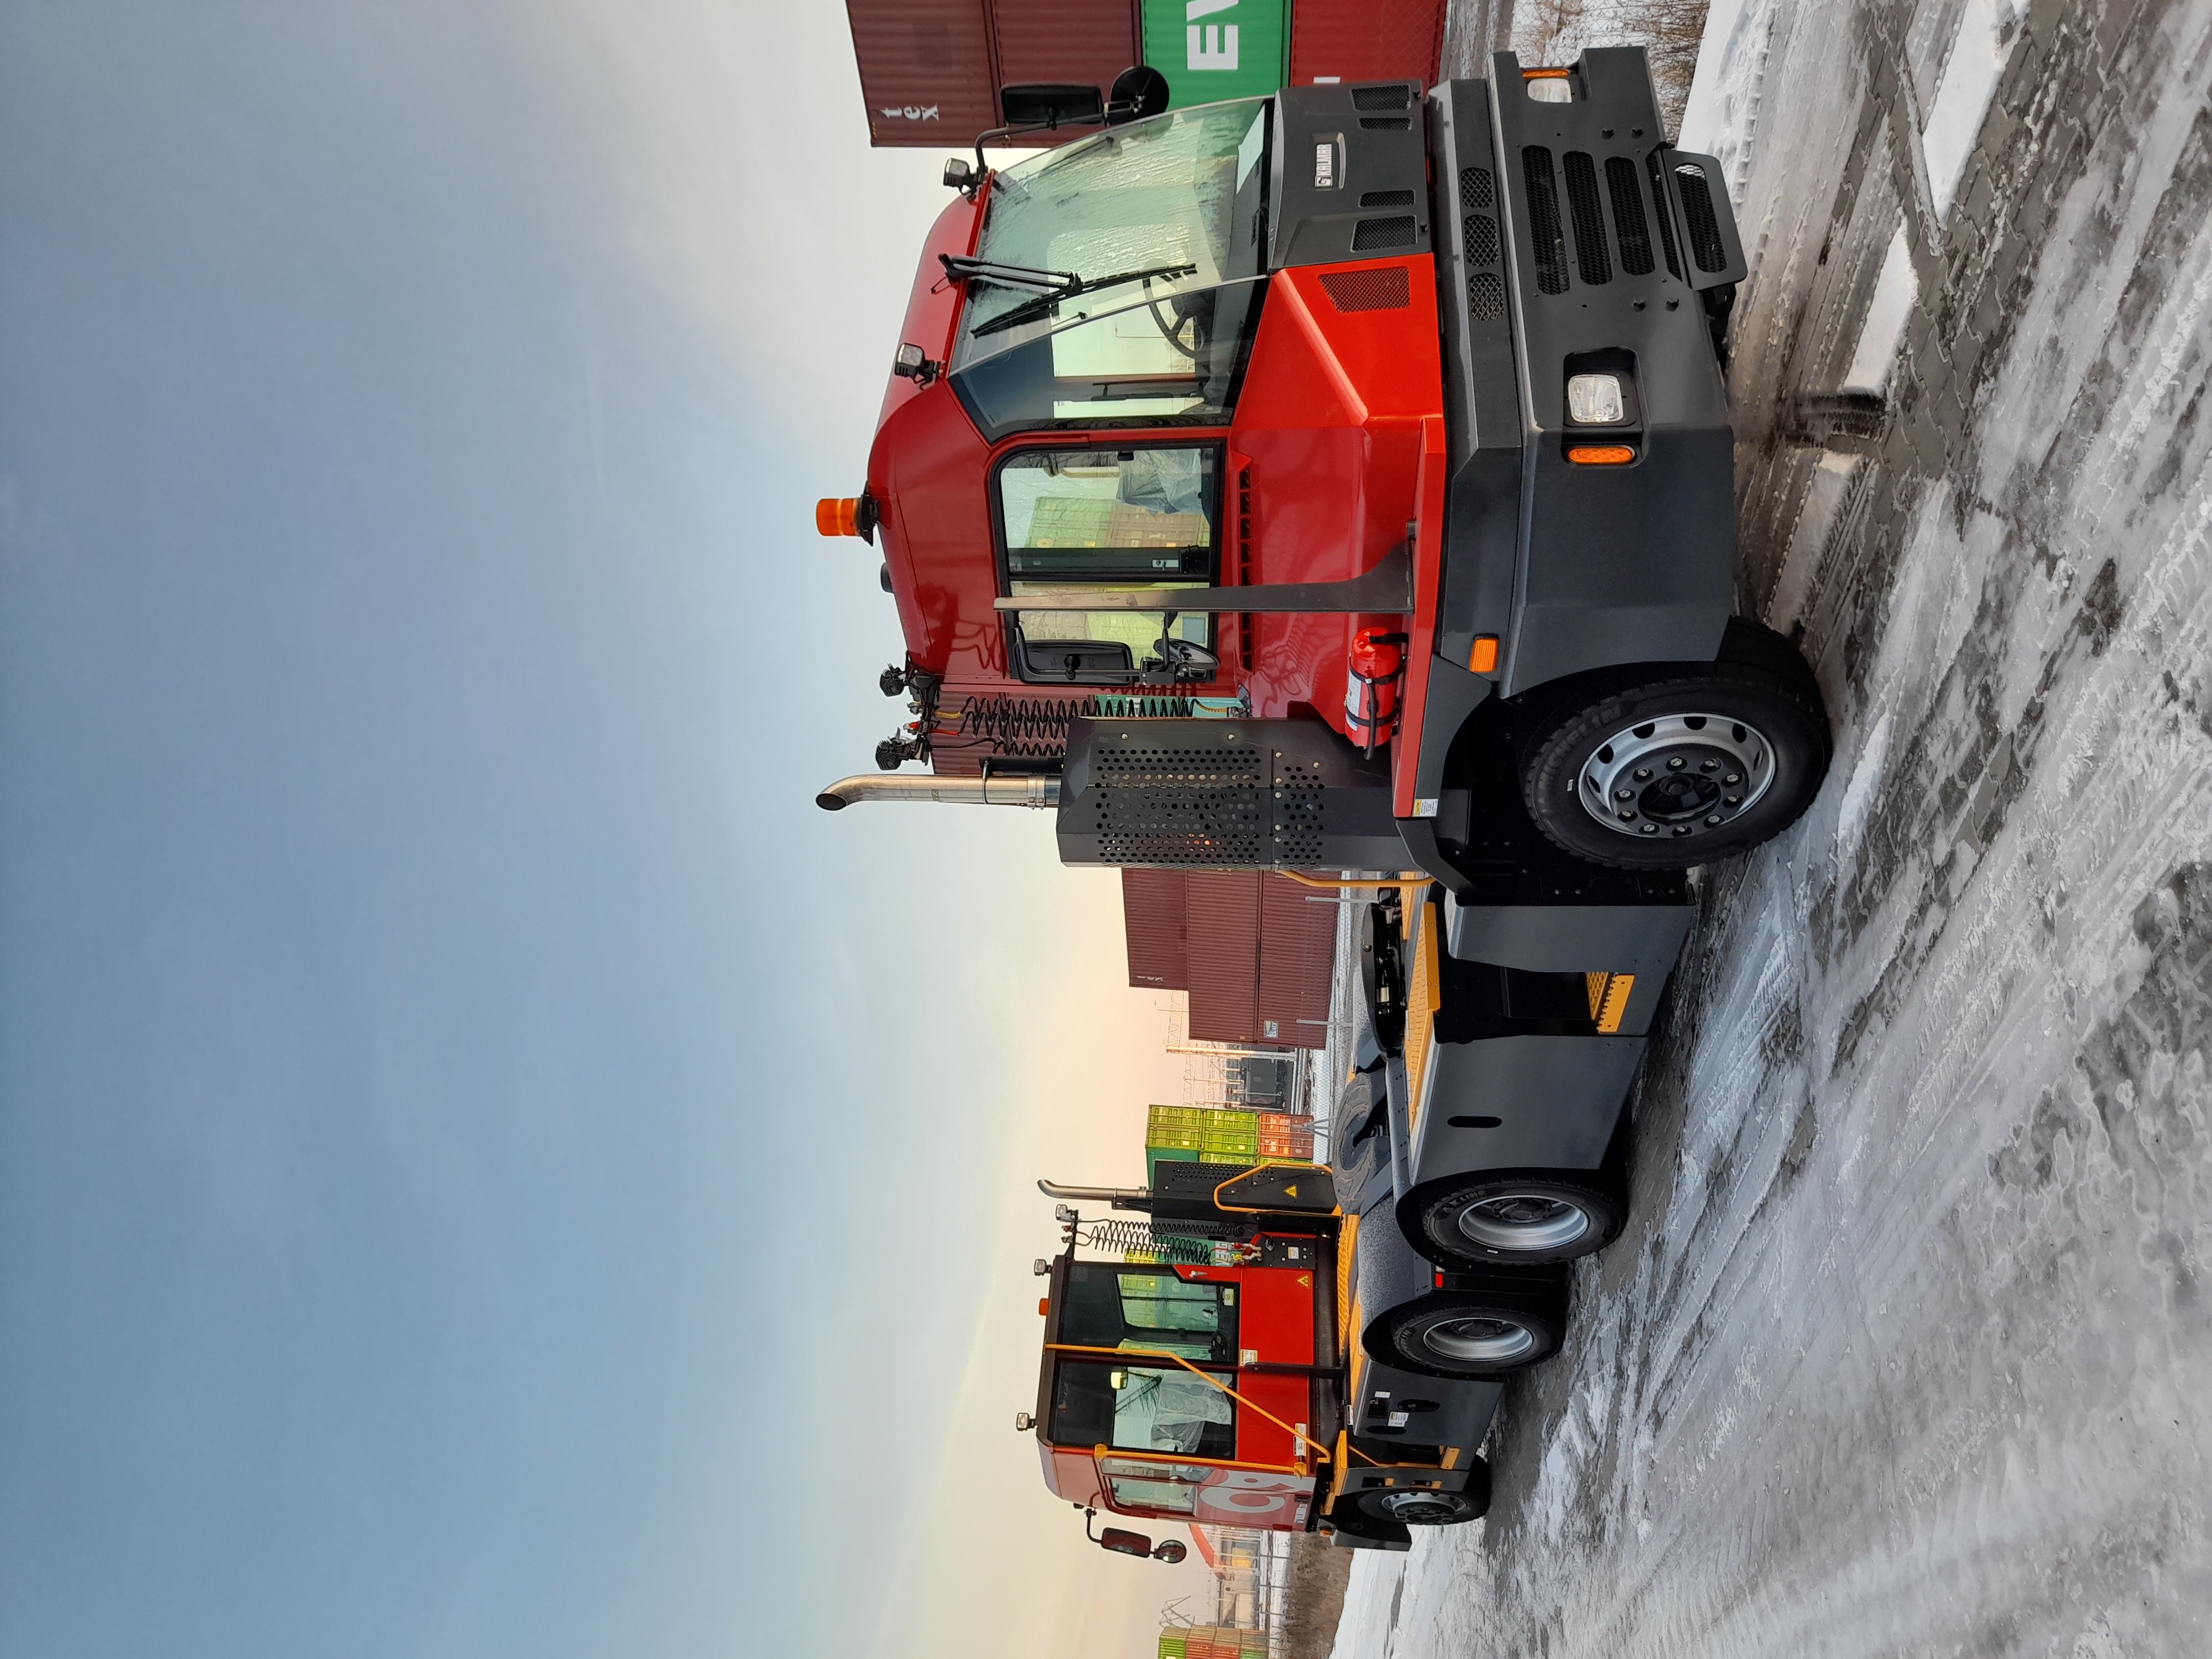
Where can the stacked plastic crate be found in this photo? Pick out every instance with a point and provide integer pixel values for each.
(1212, 1642)
(1282, 1135)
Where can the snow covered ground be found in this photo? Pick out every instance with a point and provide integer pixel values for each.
(1908, 1349)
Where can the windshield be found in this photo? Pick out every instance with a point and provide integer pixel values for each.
(1182, 190)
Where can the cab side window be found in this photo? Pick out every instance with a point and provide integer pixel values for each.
(1149, 1309)
(1142, 517)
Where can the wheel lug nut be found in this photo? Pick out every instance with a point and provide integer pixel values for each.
(1713, 819)
(1650, 829)
(1731, 800)
(1733, 777)
(1642, 773)
(1676, 764)
(1711, 766)
(1624, 794)
(1630, 818)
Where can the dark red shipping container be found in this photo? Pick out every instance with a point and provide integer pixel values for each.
(1082, 43)
(931, 70)
(1297, 956)
(1366, 40)
(1222, 933)
(1153, 924)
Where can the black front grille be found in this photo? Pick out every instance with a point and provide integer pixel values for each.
(1374, 198)
(1386, 123)
(1388, 94)
(1702, 222)
(1476, 192)
(1550, 249)
(1374, 233)
(1666, 219)
(1480, 236)
(1628, 221)
(1485, 297)
(1591, 259)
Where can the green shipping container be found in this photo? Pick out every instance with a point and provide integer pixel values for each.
(1210, 49)
(1171, 1644)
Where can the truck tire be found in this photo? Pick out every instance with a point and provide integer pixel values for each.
(1494, 1217)
(1432, 1509)
(1675, 765)
(1466, 1334)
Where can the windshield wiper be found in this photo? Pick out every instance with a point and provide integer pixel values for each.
(1026, 279)
(1029, 310)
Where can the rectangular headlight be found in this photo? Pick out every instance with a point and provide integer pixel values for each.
(1595, 400)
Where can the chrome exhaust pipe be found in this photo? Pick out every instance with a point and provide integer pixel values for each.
(1122, 1198)
(1009, 789)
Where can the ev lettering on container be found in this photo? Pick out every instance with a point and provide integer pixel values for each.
(1211, 46)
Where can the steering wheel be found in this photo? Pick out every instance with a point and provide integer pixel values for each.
(1172, 331)
(1189, 657)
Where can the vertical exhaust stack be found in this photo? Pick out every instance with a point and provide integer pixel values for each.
(1025, 790)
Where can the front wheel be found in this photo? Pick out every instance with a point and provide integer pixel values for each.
(1535, 1217)
(1432, 1509)
(1668, 767)
(1466, 1333)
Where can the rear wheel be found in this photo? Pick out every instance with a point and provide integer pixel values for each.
(1667, 766)
(1432, 1509)
(1536, 1216)
(1468, 1334)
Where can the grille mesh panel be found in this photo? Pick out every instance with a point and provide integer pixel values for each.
(1480, 235)
(1389, 95)
(1704, 225)
(1476, 191)
(1550, 251)
(1374, 198)
(1666, 220)
(1485, 297)
(1387, 289)
(1628, 215)
(1383, 233)
(1591, 259)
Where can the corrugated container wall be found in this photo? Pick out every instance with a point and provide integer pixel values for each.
(1152, 926)
(1083, 43)
(931, 70)
(1297, 956)
(925, 70)
(1222, 936)
(1365, 41)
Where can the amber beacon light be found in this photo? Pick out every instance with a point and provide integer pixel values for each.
(838, 515)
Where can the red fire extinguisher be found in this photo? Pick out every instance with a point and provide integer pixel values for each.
(1370, 689)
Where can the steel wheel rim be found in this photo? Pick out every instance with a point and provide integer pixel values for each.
(1419, 1507)
(1524, 1222)
(1480, 1339)
(1676, 776)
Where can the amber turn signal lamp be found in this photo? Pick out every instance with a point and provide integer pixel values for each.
(1044, 1304)
(1596, 455)
(1483, 660)
(1543, 74)
(835, 515)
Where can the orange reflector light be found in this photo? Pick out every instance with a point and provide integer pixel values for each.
(1044, 1304)
(838, 515)
(1601, 454)
(1544, 75)
(1483, 660)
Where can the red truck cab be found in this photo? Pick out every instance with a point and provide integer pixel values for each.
(1191, 1393)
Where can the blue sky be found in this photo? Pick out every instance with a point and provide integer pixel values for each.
(485, 1166)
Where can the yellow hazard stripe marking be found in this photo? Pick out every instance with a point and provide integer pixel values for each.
(1608, 999)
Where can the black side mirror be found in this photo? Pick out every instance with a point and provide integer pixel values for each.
(1124, 1543)
(1047, 105)
(1138, 92)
